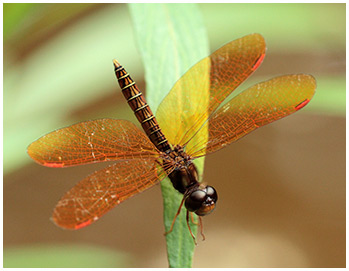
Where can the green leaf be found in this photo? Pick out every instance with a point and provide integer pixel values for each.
(171, 38)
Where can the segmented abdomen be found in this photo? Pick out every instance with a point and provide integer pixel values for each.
(140, 107)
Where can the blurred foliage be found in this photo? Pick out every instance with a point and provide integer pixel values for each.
(58, 61)
(12, 15)
(333, 104)
(286, 27)
(31, 22)
(64, 256)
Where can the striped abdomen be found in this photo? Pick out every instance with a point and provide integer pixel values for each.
(140, 107)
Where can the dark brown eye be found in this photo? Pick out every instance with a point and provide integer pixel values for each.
(195, 200)
(202, 202)
(209, 204)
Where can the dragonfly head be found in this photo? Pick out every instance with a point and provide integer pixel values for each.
(202, 201)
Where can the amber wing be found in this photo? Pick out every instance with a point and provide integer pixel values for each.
(92, 197)
(255, 107)
(205, 86)
(92, 141)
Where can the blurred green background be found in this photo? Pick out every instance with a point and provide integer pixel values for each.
(282, 188)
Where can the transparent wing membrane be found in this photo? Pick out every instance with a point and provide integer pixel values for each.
(90, 142)
(204, 86)
(92, 197)
(255, 107)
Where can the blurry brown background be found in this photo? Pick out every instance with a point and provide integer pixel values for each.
(281, 189)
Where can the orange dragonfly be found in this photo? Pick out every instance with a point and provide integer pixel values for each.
(188, 125)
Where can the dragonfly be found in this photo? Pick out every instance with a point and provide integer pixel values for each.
(190, 122)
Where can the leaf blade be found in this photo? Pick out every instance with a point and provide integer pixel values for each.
(171, 38)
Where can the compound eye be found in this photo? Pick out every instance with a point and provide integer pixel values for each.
(211, 193)
(209, 204)
(194, 201)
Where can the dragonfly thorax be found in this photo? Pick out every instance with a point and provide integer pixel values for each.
(198, 197)
(183, 173)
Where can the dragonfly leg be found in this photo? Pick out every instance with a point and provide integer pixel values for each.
(201, 229)
(192, 219)
(191, 233)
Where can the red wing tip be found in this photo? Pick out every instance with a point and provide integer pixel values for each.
(72, 227)
(258, 62)
(302, 104)
(56, 165)
(84, 224)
